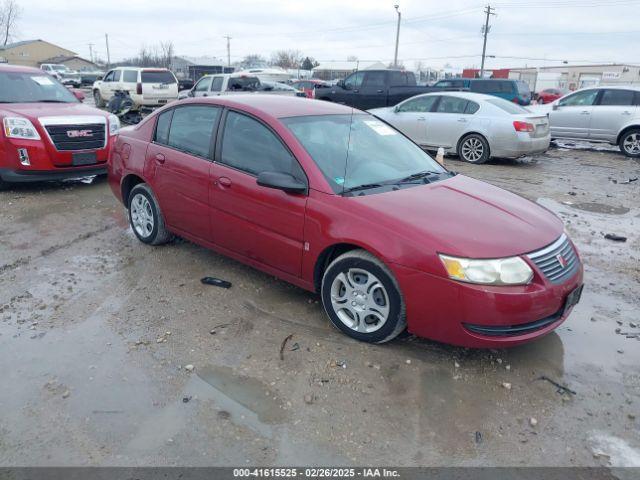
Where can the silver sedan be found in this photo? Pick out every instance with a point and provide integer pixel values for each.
(476, 127)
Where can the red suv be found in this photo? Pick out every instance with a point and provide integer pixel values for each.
(47, 134)
(335, 201)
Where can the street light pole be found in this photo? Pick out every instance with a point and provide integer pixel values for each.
(228, 50)
(395, 56)
(485, 30)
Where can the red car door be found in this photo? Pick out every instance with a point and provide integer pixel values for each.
(181, 155)
(263, 224)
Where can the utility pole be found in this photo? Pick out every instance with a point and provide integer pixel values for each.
(485, 29)
(91, 52)
(106, 37)
(395, 56)
(228, 50)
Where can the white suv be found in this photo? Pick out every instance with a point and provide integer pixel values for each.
(602, 114)
(149, 87)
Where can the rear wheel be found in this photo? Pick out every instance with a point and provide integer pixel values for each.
(474, 148)
(98, 99)
(630, 143)
(362, 298)
(145, 216)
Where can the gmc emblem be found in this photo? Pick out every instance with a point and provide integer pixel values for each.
(561, 260)
(79, 133)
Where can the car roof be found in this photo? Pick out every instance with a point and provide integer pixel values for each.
(615, 87)
(276, 105)
(146, 69)
(477, 97)
(19, 68)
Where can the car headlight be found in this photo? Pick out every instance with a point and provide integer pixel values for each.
(114, 125)
(20, 127)
(503, 271)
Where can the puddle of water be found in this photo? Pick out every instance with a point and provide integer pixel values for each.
(250, 393)
(600, 208)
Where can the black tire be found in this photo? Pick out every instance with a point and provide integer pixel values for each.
(630, 143)
(362, 260)
(471, 145)
(158, 234)
(3, 185)
(98, 99)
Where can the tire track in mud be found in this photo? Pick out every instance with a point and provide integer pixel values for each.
(22, 261)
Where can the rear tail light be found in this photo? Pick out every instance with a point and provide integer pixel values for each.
(139, 88)
(523, 126)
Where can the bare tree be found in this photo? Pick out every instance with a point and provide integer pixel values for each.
(10, 13)
(253, 60)
(167, 53)
(286, 58)
(160, 55)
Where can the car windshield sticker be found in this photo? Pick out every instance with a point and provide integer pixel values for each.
(42, 80)
(380, 128)
(339, 180)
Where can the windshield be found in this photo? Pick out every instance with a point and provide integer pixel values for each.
(359, 152)
(158, 76)
(509, 107)
(19, 87)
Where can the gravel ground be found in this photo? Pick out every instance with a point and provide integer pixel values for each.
(97, 331)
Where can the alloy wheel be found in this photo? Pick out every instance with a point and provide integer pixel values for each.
(142, 215)
(360, 300)
(472, 149)
(631, 144)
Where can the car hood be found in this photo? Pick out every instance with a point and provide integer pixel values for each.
(380, 111)
(36, 110)
(464, 217)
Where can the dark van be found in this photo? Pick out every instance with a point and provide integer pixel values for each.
(515, 91)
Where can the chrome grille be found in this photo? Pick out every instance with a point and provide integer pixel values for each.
(548, 260)
(66, 138)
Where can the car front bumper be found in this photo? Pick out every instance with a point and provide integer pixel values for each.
(483, 316)
(26, 176)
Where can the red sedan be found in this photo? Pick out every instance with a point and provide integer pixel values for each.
(47, 133)
(550, 95)
(333, 200)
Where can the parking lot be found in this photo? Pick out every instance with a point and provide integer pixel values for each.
(114, 353)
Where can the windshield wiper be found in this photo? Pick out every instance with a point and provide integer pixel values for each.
(365, 186)
(419, 176)
(49, 101)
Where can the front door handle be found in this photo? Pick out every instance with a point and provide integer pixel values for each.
(422, 119)
(626, 112)
(380, 91)
(356, 91)
(160, 158)
(224, 182)
(462, 120)
(585, 112)
(205, 95)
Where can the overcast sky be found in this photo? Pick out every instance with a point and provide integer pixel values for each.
(434, 32)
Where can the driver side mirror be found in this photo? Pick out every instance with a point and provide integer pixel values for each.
(191, 93)
(555, 106)
(282, 181)
(79, 94)
(396, 109)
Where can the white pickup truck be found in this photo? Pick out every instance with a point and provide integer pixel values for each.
(230, 83)
(149, 87)
(64, 74)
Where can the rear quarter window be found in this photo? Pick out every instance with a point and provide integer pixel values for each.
(130, 76)
(150, 76)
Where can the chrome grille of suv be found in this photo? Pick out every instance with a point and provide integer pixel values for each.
(548, 260)
(82, 136)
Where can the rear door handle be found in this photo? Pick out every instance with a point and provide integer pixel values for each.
(585, 112)
(626, 112)
(160, 158)
(422, 119)
(380, 91)
(462, 120)
(224, 182)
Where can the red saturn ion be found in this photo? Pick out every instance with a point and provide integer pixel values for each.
(333, 200)
(47, 134)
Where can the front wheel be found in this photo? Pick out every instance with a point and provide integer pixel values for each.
(630, 143)
(97, 99)
(474, 148)
(145, 216)
(362, 298)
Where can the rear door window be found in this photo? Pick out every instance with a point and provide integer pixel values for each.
(264, 153)
(216, 85)
(162, 127)
(451, 105)
(157, 76)
(399, 79)
(617, 97)
(192, 129)
(374, 80)
(130, 76)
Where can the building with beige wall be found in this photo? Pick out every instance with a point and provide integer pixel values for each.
(31, 53)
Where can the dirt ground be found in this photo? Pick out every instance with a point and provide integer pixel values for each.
(97, 329)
